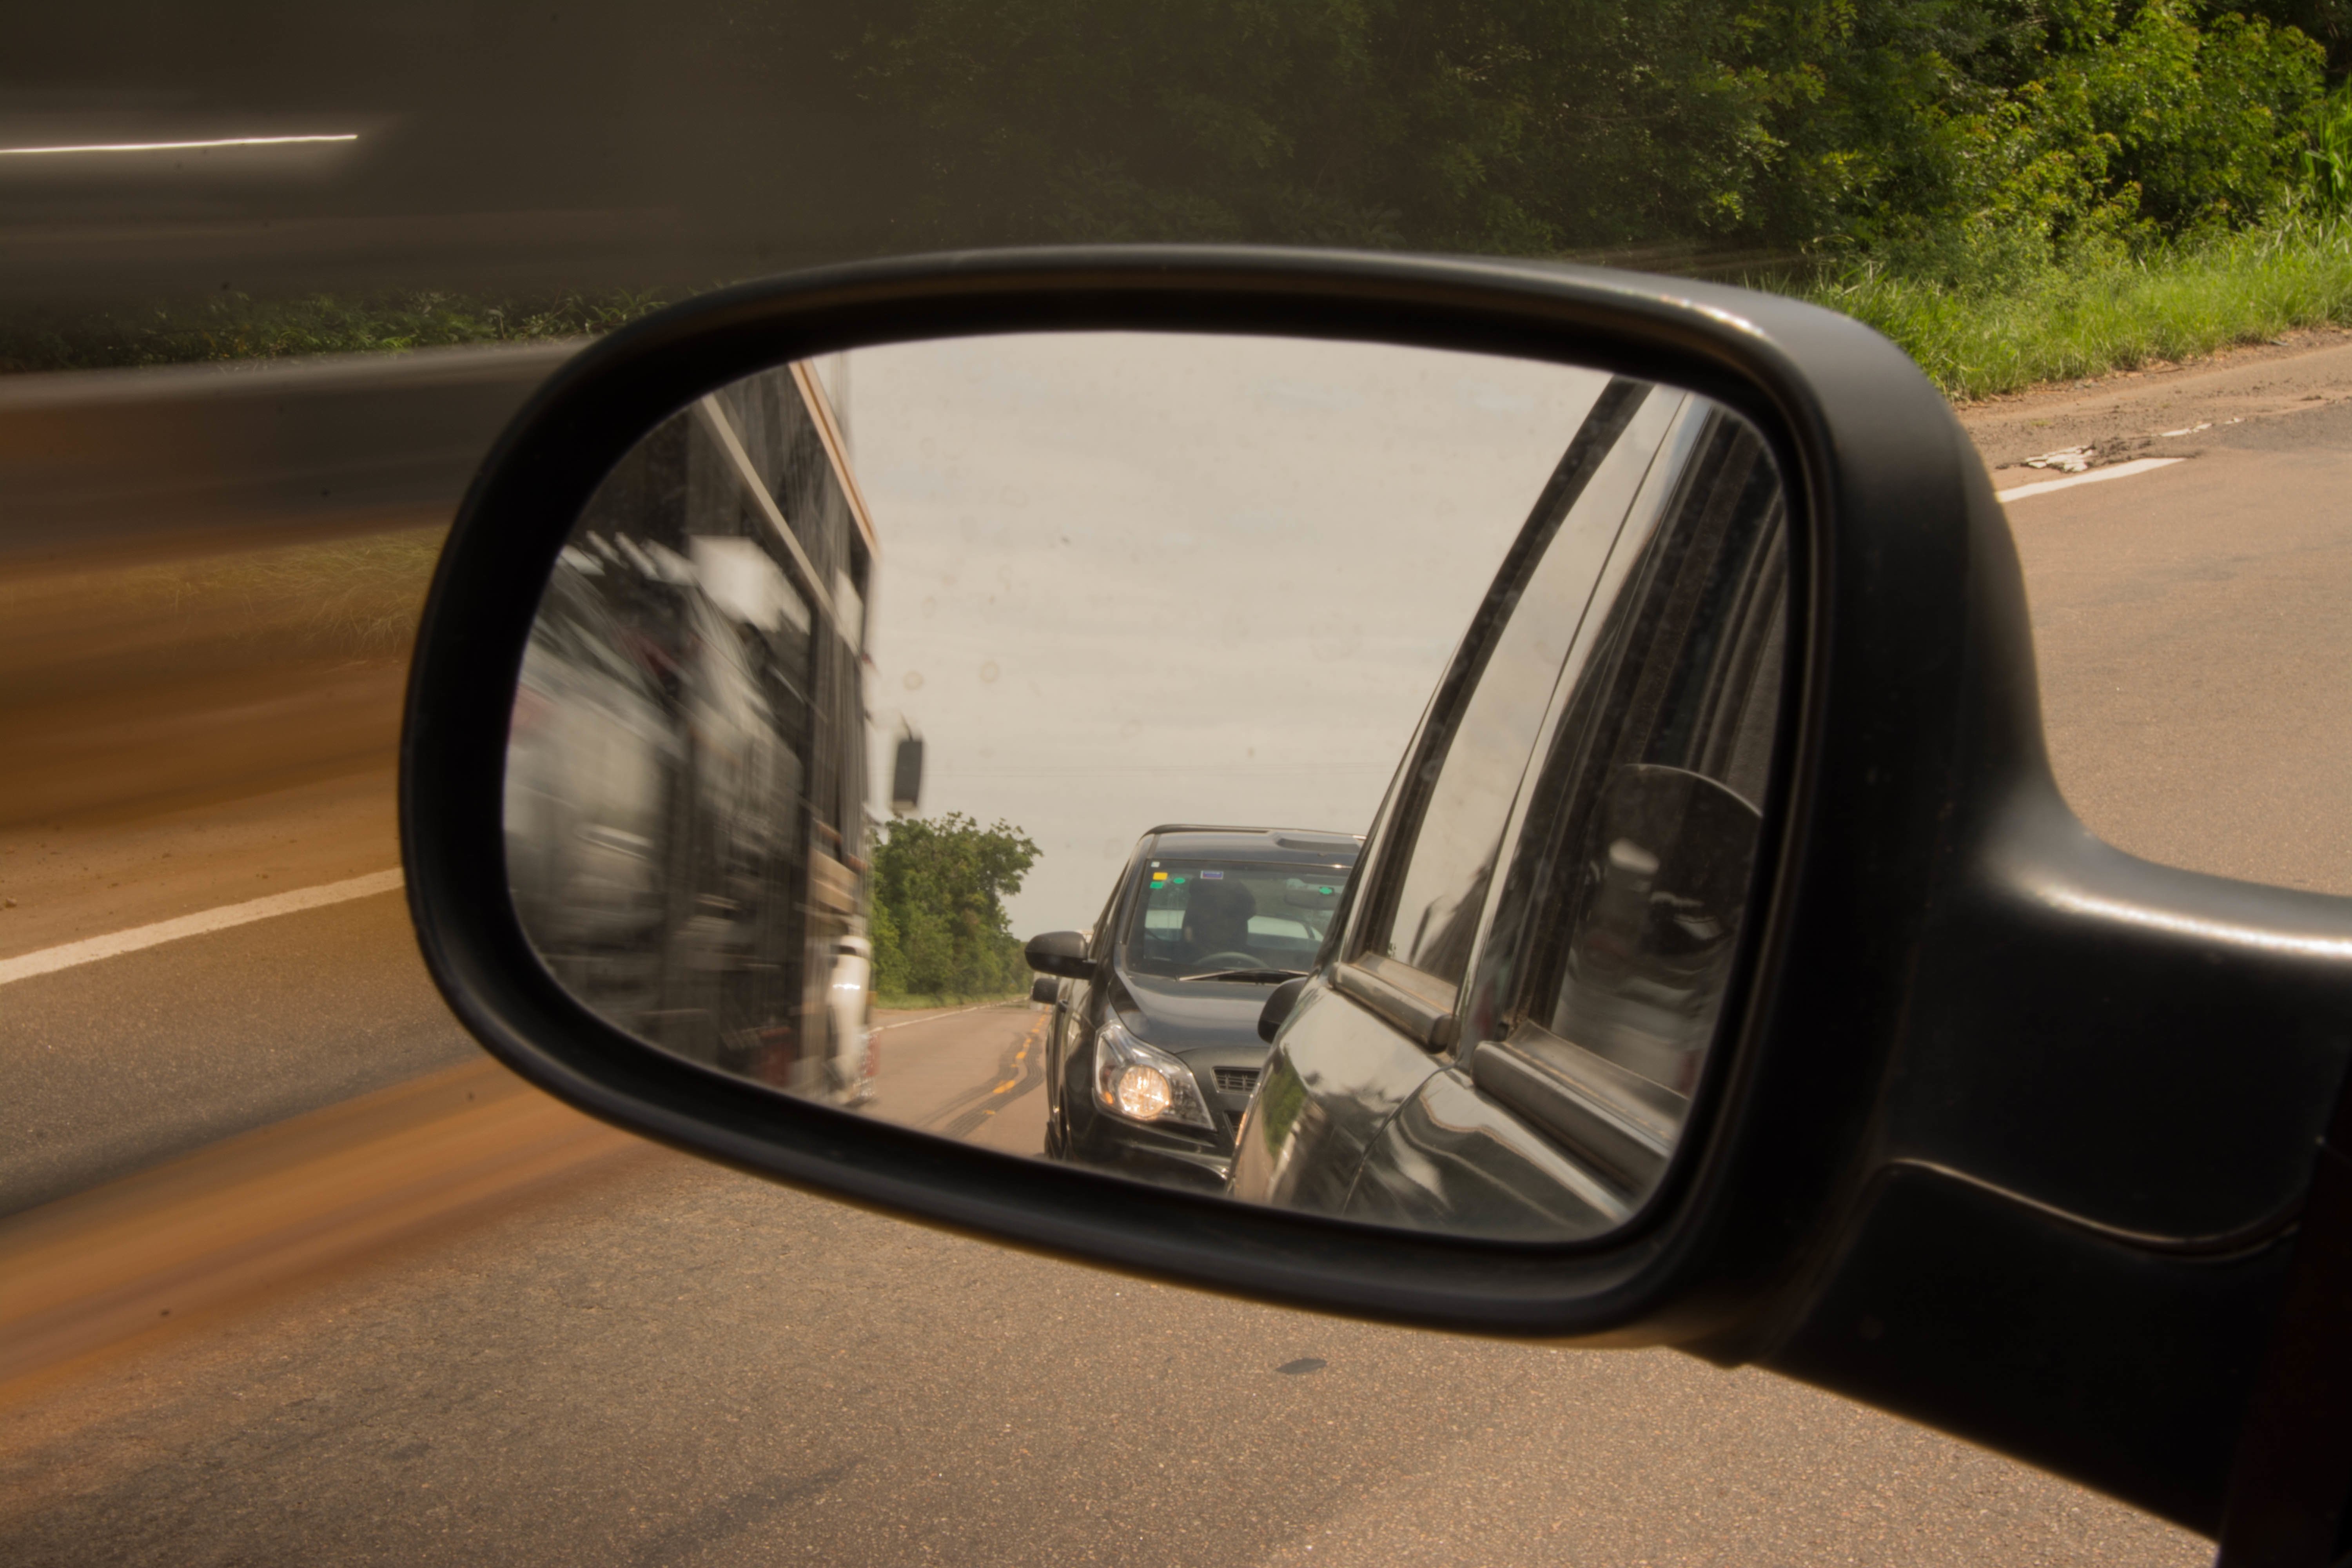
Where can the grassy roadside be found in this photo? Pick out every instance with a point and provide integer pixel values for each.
(2067, 322)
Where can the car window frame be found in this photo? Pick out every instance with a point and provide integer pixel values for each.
(1421, 1005)
(1620, 1127)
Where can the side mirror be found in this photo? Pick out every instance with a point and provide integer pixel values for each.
(1046, 989)
(1905, 1086)
(906, 776)
(1060, 952)
(1278, 1005)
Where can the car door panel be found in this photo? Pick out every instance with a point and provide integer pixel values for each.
(1453, 1158)
(1337, 1074)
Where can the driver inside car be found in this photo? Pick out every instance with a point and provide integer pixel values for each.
(1217, 924)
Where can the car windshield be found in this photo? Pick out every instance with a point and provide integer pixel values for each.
(1231, 919)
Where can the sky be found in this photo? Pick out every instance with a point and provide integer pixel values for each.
(1128, 578)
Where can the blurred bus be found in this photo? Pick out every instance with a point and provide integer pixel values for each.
(686, 779)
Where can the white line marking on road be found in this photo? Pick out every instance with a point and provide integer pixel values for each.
(2114, 471)
(50, 960)
(934, 1017)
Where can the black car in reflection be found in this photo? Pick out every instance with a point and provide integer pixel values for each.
(1154, 1052)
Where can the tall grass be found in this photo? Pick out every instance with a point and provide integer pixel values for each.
(2064, 323)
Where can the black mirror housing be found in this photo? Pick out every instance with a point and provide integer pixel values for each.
(1278, 1003)
(1060, 952)
(906, 776)
(1969, 1094)
(1046, 989)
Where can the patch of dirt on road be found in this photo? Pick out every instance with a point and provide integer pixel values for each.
(2173, 411)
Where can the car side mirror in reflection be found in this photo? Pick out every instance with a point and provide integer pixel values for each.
(1717, 966)
(1060, 952)
(906, 776)
(1279, 1004)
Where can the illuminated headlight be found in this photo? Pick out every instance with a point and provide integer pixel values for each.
(1143, 1083)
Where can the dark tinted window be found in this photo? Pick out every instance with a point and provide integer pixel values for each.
(1472, 763)
(1658, 775)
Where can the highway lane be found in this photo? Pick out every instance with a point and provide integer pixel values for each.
(975, 1074)
(2193, 629)
(114, 1066)
(691, 1367)
(674, 1364)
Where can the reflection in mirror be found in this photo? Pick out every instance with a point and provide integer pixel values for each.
(977, 734)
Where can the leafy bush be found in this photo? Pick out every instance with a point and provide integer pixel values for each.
(1963, 139)
(2327, 161)
(938, 923)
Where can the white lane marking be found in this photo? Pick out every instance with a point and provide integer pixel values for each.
(2114, 471)
(50, 960)
(934, 1017)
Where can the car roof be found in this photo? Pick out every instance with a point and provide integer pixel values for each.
(1292, 846)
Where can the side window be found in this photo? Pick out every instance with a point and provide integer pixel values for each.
(1618, 928)
(1473, 755)
(1104, 934)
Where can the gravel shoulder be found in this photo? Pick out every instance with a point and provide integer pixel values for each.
(2280, 396)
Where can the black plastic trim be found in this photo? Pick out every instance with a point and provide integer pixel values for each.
(1426, 1023)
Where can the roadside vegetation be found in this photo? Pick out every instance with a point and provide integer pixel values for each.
(940, 933)
(2086, 317)
(2014, 190)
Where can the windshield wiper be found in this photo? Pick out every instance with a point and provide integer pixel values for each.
(1270, 976)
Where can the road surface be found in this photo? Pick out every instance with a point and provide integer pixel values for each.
(977, 1074)
(575, 1348)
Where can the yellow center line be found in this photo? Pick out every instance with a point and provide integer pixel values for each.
(1019, 1056)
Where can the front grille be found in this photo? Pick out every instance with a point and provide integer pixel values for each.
(1236, 1080)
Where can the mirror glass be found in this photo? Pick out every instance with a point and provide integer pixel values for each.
(1010, 736)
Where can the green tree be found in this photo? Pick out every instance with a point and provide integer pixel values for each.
(1967, 138)
(938, 923)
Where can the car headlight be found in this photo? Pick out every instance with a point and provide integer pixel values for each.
(1144, 1083)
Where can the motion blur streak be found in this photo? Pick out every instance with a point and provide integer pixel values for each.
(254, 1214)
(213, 575)
(175, 146)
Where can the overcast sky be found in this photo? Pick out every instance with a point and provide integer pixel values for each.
(1128, 579)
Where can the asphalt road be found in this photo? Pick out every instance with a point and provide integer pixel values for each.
(2193, 629)
(977, 1074)
(654, 1360)
(114, 1066)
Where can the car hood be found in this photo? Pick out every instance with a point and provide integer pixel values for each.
(1201, 1015)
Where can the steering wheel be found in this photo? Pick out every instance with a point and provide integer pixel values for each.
(1231, 961)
